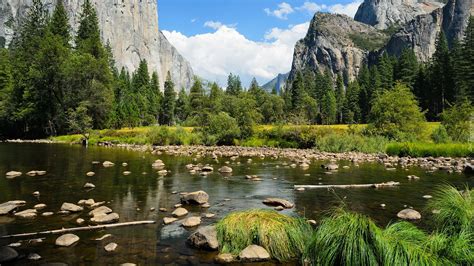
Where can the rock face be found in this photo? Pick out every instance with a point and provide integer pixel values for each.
(333, 43)
(420, 34)
(131, 27)
(385, 13)
(277, 83)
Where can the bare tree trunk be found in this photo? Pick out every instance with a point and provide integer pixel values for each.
(380, 185)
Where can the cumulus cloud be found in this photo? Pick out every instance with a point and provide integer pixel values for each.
(213, 24)
(348, 9)
(214, 55)
(282, 12)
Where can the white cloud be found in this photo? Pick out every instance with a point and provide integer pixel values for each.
(213, 24)
(311, 7)
(348, 9)
(284, 9)
(214, 55)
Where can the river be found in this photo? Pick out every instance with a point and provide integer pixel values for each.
(133, 197)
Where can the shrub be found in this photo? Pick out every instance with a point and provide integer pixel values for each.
(395, 114)
(440, 135)
(351, 142)
(429, 149)
(458, 120)
(284, 237)
(222, 129)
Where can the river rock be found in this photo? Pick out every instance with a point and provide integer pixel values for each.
(409, 214)
(67, 240)
(278, 202)
(225, 170)
(158, 164)
(7, 207)
(469, 169)
(36, 194)
(413, 177)
(207, 169)
(70, 207)
(111, 247)
(254, 253)
(331, 167)
(13, 174)
(89, 186)
(204, 238)
(105, 218)
(198, 197)
(30, 213)
(39, 206)
(46, 214)
(427, 197)
(224, 258)
(80, 221)
(108, 164)
(34, 256)
(179, 212)
(90, 174)
(192, 221)
(127, 173)
(169, 220)
(100, 211)
(7, 254)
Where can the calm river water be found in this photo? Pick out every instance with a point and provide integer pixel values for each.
(134, 195)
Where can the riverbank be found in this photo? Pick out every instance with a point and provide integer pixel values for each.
(298, 157)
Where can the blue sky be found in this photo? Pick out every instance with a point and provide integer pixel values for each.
(251, 38)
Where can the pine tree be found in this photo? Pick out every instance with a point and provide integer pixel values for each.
(169, 102)
(385, 68)
(182, 109)
(215, 98)
(59, 24)
(465, 79)
(196, 96)
(155, 96)
(6, 86)
(351, 105)
(234, 86)
(297, 92)
(329, 108)
(88, 34)
(407, 67)
(441, 77)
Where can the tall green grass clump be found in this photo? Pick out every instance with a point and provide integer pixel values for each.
(284, 237)
(351, 143)
(456, 209)
(347, 238)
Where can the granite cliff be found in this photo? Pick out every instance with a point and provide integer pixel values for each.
(130, 26)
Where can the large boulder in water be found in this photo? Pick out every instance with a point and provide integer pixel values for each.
(278, 202)
(204, 238)
(67, 240)
(198, 197)
(71, 207)
(254, 253)
(409, 214)
(105, 218)
(7, 207)
(7, 254)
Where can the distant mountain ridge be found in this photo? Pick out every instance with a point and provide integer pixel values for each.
(277, 83)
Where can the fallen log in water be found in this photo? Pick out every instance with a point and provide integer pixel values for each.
(76, 229)
(379, 185)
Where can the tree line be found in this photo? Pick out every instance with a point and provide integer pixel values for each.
(55, 82)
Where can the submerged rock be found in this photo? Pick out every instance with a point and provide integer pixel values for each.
(204, 238)
(70, 207)
(169, 220)
(409, 214)
(30, 213)
(192, 221)
(89, 186)
(111, 247)
(67, 240)
(331, 167)
(225, 170)
(34, 256)
(224, 258)
(100, 211)
(179, 212)
(105, 218)
(198, 197)
(254, 253)
(13, 174)
(39, 206)
(7, 207)
(7, 254)
(278, 202)
(90, 174)
(108, 164)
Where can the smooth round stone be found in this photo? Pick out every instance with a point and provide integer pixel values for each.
(90, 174)
(67, 240)
(111, 247)
(7, 254)
(409, 214)
(34, 256)
(46, 214)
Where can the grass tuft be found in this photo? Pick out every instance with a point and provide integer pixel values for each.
(284, 237)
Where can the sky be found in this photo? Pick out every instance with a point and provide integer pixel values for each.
(250, 38)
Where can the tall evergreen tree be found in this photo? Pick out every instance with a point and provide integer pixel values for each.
(169, 102)
(88, 34)
(234, 85)
(386, 69)
(297, 92)
(407, 67)
(59, 24)
(329, 108)
(351, 105)
(182, 108)
(141, 78)
(196, 97)
(340, 98)
(465, 79)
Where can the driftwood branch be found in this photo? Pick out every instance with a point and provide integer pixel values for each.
(379, 185)
(77, 229)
